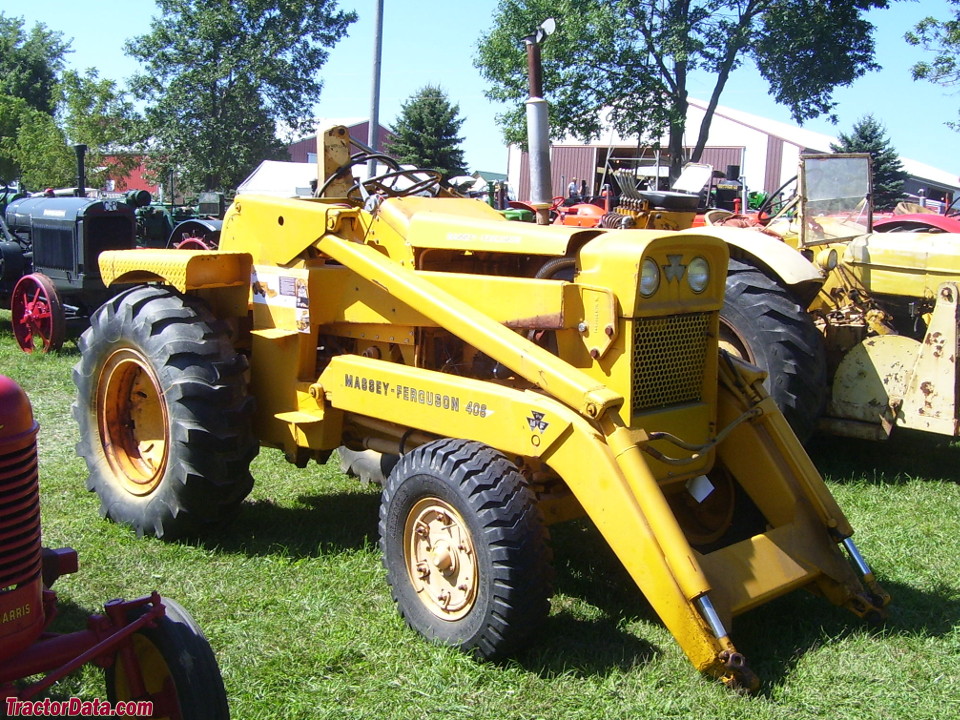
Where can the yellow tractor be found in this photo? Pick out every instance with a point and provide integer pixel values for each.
(886, 307)
(517, 375)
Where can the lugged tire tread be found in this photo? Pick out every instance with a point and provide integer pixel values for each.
(513, 530)
(797, 375)
(205, 390)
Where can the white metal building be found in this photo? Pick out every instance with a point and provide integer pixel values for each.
(761, 153)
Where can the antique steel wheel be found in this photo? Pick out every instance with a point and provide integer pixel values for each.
(39, 322)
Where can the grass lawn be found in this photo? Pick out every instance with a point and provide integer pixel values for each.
(293, 599)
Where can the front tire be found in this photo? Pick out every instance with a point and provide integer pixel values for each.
(178, 668)
(465, 548)
(761, 323)
(164, 415)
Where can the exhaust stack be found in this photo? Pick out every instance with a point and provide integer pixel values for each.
(538, 125)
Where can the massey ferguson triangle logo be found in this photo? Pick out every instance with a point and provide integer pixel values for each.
(537, 423)
(674, 270)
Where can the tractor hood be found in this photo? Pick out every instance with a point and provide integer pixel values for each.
(898, 264)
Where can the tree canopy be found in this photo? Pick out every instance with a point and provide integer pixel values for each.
(426, 133)
(32, 62)
(627, 62)
(869, 136)
(44, 110)
(222, 77)
(941, 38)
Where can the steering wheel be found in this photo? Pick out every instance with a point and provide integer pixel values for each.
(775, 202)
(386, 183)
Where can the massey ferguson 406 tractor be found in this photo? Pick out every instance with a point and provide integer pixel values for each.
(515, 375)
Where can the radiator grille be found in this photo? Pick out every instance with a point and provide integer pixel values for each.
(668, 360)
(19, 518)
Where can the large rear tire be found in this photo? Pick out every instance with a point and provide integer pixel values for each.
(178, 668)
(465, 547)
(164, 414)
(761, 323)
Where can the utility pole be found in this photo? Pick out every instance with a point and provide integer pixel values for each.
(373, 134)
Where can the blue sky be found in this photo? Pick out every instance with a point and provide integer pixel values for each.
(431, 42)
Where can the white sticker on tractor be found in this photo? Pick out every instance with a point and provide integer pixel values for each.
(700, 488)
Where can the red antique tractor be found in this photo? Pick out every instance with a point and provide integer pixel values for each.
(156, 660)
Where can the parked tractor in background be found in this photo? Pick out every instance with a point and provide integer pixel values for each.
(517, 375)
(887, 308)
(49, 245)
(157, 662)
(187, 227)
(49, 278)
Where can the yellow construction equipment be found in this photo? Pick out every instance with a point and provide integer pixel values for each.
(515, 375)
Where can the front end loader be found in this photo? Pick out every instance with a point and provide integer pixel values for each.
(516, 375)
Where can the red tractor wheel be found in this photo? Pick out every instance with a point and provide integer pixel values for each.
(39, 322)
(194, 243)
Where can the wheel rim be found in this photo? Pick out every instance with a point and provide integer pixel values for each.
(158, 681)
(734, 343)
(133, 421)
(706, 520)
(37, 315)
(440, 559)
(194, 243)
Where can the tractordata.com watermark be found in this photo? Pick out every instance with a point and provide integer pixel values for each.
(75, 707)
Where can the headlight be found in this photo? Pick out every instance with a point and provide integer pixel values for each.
(649, 277)
(698, 274)
(827, 259)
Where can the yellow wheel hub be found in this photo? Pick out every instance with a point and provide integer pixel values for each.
(155, 673)
(132, 417)
(440, 559)
(731, 341)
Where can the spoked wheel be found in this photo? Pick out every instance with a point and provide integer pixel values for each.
(164, 414)
(195, 243)
(465, 548)
(39, 322)
(175, 666)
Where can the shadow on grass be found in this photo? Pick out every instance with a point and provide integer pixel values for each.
(328, 524)
(595, 597)
(908, 454)
(776, 636)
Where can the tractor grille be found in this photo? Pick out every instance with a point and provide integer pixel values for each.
(20, 548)
(53, 247)
(109, 232)
(668, 360)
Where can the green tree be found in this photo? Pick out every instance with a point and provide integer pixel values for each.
(427, 133)
(869, 136)
(32, 62)
(93, 111)
(942, 39)
(220, 77)
(39, 149)
(42, 153)
(627, 62)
